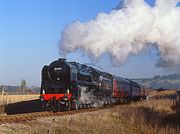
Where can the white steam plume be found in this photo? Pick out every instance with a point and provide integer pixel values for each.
(128, 31)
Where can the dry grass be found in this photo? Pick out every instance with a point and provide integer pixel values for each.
(149, 117)
(8, 99)
(101, 122)
(162, 93)
(158, 105)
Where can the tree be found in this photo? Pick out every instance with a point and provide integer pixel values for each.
(23, 86)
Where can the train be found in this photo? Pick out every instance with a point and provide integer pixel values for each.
(69, 85)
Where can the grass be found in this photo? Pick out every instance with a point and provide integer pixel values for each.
(148, 117)
(162, 93)
(158, 105)
(154, 116)
(17, 98)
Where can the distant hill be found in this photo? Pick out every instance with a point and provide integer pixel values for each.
(171, 81)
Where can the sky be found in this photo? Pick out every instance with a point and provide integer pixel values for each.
(30, 31)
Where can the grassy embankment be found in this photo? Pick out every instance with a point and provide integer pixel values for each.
(148, 117)
(152, 117)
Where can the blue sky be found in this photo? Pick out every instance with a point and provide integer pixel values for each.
(30, 30)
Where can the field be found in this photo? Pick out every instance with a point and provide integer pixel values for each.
(162, 93)
(8, 99)
(147, 117)
(154, 116)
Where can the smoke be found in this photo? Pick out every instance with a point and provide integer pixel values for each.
(87, 97)
(128, 31)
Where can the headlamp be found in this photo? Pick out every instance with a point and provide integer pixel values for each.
(41, 98)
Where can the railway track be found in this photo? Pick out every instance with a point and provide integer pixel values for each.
(17, 118)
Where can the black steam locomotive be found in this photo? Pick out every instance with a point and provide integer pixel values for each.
(67, 85)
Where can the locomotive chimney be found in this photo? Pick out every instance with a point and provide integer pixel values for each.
(62, 59)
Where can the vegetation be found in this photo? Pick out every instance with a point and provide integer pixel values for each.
(147, 117)
(152, 117)
(171, 81)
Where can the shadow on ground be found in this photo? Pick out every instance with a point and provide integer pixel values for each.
(24, 107)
